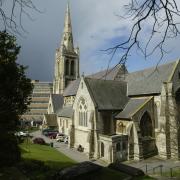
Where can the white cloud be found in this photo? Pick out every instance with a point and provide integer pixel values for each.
(95, 27)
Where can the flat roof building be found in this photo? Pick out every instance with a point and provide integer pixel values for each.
(39, 103)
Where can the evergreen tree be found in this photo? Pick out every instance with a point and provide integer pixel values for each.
(15, 89)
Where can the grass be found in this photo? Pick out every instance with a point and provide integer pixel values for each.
(53, 158)
(8, 173)
(144, 178)
(107, 174)
(47, 154)
(42, 162)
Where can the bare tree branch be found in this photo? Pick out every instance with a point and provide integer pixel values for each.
(160, 16)
(19, 8)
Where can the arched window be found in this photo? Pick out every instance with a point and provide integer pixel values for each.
(82, 113)
(146, 125)
(118, 147)
(102, 149)
(72, 68)
(177, 97)
(67, 68)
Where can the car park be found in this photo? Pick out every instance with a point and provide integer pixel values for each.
(46, 131)
(60, 137)
(66, 139)
(49, 132)
(52, 135)
(22, 134)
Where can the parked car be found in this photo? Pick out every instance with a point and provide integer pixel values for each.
(48, 132)
(39, 141)
(22, 134)
(66, 139)
(52, 135)
(60, 137)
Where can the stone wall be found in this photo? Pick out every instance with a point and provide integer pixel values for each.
(82, 135)
(64, 125)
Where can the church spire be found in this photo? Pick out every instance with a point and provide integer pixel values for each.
(67, 58)
(67, 39)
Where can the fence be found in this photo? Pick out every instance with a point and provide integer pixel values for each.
(161, 170)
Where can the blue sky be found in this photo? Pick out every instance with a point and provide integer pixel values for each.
(95, 27)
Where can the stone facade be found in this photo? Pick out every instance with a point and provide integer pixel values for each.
(85, 131)
(124, 116)
(66, 59)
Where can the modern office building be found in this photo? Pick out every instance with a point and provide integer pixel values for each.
(39, 104)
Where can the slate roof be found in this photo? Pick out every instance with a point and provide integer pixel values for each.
(149, 81)
(111, 74)
(72, 88)
(66, 111)
(107, 94)
(57, 101)
(131, 107)
(51, 119)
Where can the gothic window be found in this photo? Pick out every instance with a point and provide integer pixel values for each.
(146, 126)
(82, 113)
(124, 145)
(118, 147)
(102, 149)
(82, 85)
(72, 68)
(179, 75)
(67, 68)
(177, 98)
(66, 124)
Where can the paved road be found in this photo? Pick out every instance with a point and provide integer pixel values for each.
(62, 147)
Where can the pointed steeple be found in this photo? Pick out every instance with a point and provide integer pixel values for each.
(67, 58)
(67, 39)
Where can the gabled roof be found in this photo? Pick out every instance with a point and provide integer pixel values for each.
(72, 88)
(57, 101)
(107, 94)
(133, 105)
(66, 111)
(149, 81)
(111, 74)
(51, 119)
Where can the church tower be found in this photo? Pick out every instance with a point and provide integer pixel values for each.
(66, 58)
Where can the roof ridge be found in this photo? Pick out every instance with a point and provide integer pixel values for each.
(154, 67)
(105, 80)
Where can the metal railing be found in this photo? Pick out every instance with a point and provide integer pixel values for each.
(160, 170)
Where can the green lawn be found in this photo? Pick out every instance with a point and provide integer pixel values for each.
(53, 158)
(45, 153)
(34, 155)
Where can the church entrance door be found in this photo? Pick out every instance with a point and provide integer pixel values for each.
(148, 141)
(121, 149)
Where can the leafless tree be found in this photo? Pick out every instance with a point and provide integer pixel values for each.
(161, 18)
(11, 14)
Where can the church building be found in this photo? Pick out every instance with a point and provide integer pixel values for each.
(115, 115)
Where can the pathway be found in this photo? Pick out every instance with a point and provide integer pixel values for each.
(80, 157)
(62, 147)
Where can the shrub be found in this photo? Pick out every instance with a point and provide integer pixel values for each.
(39, 141)
(10, 152)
